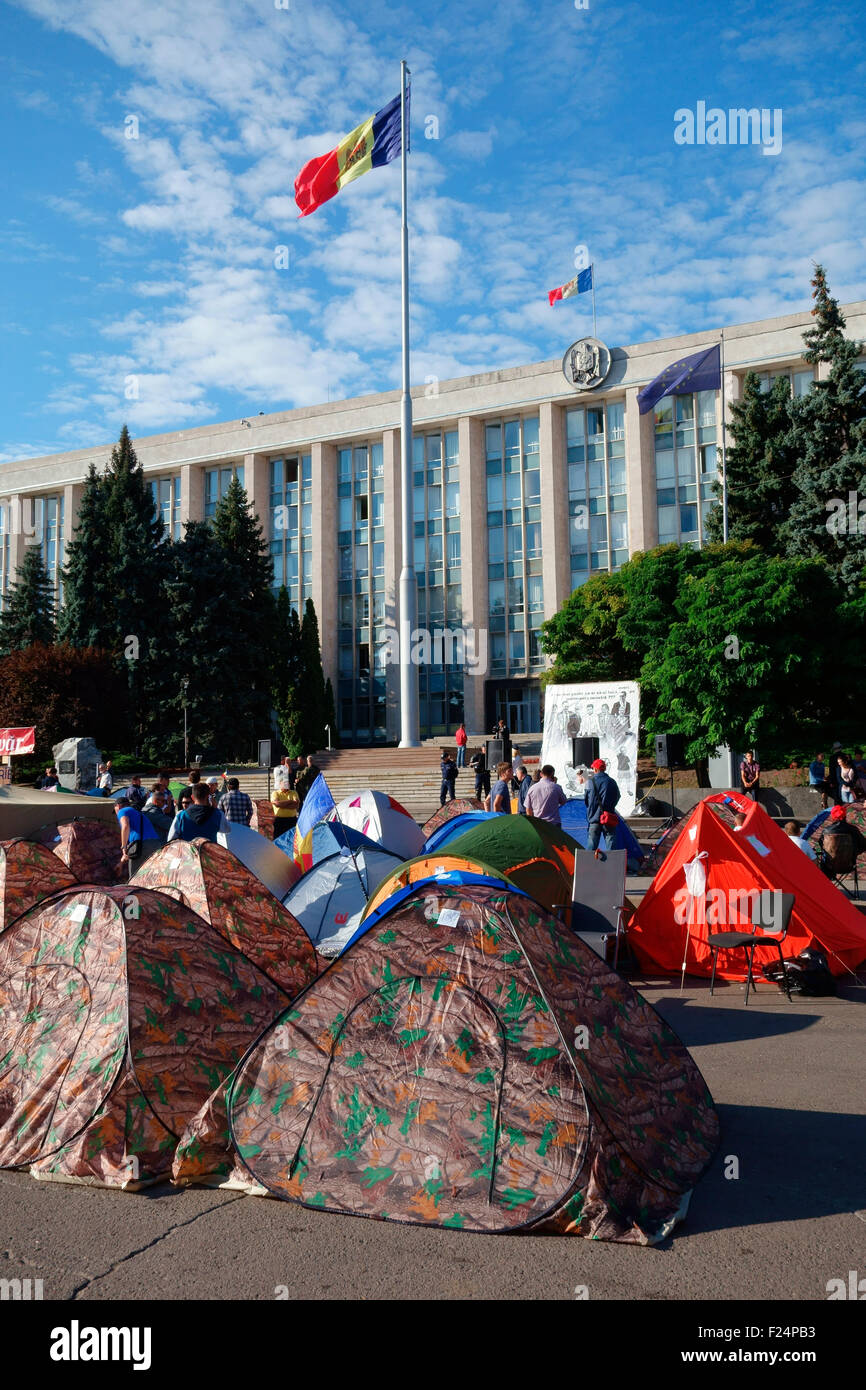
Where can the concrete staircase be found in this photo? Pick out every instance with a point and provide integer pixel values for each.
(410, 775)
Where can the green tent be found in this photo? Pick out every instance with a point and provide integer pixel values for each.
(537, 856)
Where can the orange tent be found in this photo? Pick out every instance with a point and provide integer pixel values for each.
(737, 864)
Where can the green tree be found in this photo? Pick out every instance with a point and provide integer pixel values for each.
(760, 465)
(209, 648)
(28, 615)
(286, 672)
(249, 564)
(829, 439)
(746, 634)
(584, 636)
(86, 618)
(312, 701)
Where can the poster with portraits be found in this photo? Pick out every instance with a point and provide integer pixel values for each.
(609, 713)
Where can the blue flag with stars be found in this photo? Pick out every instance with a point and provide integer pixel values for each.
(700, 372)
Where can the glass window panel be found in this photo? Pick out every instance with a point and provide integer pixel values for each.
(517, 648)
(664, 414)
(577, 479)
(574, 426)
(495, 495)
(533, 538)
(496, 545)
(378, 517)
(512, 490)
(616, 420)
(452, 499)
(493, 436)
(434, 502)
(802, 381)
(535, 591)
(685, 407)
(515, 595)
(361, 561)
(434, 552)
(377, 461)
(688, 519)
(452, 550)
(530, 435)
(595, 421)
(434, 448)
(665, 467)
(452, 446)
(418, 503)
(515, 542)
(707, 407)
(597, 532)
(512, 437)
(420, 553)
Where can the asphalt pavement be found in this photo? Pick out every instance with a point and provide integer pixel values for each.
(781, 1212)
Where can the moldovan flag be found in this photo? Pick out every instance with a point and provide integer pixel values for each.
(318, 803)
(375, 142)
(579, 285)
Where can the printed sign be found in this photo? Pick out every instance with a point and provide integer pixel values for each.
(17, 741)
(606, 712)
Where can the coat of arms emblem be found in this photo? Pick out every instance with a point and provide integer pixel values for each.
(586, 364)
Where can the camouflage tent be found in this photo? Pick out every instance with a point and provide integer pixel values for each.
(118, 1018)
(90, 848)
(458, 807)
(472, 1064)
(218, 887)
(28, 872)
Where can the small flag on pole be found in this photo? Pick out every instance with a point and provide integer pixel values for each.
(373, 143)
(318, 803)
(579, 285)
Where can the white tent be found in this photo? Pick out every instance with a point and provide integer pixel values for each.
(384, 820)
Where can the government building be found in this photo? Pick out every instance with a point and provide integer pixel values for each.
(525, 482)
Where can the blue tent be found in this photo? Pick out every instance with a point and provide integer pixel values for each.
(573, 818)
(329, 837)
(457, 825)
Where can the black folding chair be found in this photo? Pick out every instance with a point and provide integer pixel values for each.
(598, 896)
(764, 932)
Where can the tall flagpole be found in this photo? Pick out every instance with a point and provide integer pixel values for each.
(724, 440)
(409, 719)
(594, 329)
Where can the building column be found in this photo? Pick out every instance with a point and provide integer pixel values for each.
(643, 521)
(555, 555)
(324, 463)
(191, 493)
(257, 482)
(72, 495)
(393, 565)
(473, 565)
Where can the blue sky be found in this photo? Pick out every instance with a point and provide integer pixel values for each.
(153, 258)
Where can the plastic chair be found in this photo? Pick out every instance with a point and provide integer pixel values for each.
(764, 932)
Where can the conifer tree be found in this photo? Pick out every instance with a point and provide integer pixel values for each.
(760, 466)
(286, 672)
(86, 618)
(28, 615)
(829, 438)
(312, 723)
(249, 577)
(331, 713)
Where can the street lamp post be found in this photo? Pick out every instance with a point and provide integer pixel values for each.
(184, 686)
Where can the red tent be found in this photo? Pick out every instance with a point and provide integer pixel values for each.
(737, 864)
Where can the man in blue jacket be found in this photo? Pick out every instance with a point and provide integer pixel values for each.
(602, 795)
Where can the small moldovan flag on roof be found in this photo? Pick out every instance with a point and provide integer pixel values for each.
(374, 142)
(579, 285)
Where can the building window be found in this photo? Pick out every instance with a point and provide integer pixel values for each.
(290, 509)
(166, 501)
(5, 550)
(513, 544)
(436, 516)
(216, 484)
(597, 499)
(686, 465)
(800, 380)
(361, 636)
(47, 519)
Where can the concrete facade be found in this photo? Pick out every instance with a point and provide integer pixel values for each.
(533, 561)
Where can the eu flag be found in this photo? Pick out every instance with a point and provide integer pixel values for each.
(700, 372)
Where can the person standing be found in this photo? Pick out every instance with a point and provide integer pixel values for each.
(154, 810)
(478, 763)
(448, 768)
(499, 797)
(516, 765)
(106, 781)
(750, 775)
(135, 793)
(461, 738)
(545, 797)
(162, 779)
(286, 803)
(818, 780)
(201, 820)
(138, 837)
(306, 778)
(524, 786)
(849, 785)
(235, 805)
(602, 798)
(834, 776)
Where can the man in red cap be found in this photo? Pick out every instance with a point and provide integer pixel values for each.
(602, 796)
